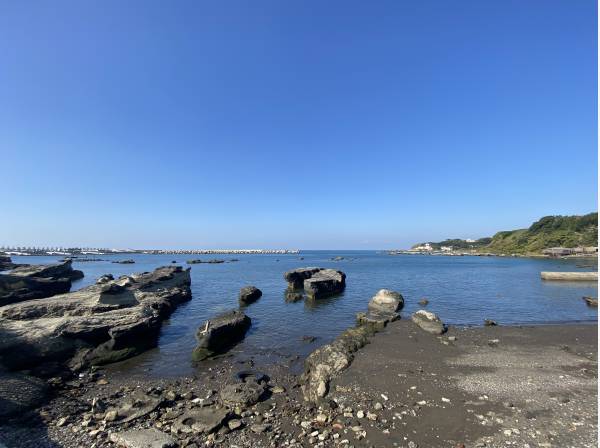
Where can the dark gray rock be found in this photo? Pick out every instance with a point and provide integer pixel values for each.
(130, 261)
(242, 394)
(53, 271)
(249, 294)
(296, 277)
(325, 283)
(203, 420)
(220, 333)
(95, 325)
(6, 262)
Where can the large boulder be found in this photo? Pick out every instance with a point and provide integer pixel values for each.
(325, 283)
(428, 321)
(220, 333)
(99, 324)
(296, 277)
(6, 262)
(55, 270)
(249, 294)
(386, 301)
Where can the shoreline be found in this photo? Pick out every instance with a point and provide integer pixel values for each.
(449, 366)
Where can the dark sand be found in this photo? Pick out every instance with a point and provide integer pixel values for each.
(493, 387)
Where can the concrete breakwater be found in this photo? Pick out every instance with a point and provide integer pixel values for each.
(570, 276)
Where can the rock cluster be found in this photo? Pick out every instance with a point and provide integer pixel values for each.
(316, 282)
(220, 333)
(6, 262)
(26, 282)
(99, 324)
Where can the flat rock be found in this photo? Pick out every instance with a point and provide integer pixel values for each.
(242, 394)
(296, 277)
(134, 406)
(204, 420)
(249, 294)
(220, 333)
(96, 325)
(325, 283)
(428, 321)
(143, 438)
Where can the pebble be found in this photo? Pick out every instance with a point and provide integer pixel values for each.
(378, 406)
(360, 414)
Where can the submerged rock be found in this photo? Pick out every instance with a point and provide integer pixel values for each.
(591, 301)
(220, 333)
(96, 325)
(428, 321)
(324, 283)
(249, 294)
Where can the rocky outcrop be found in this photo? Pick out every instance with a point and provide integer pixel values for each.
(54, 271)
(129, 261)
(96, 325)
(220, 333)
(249, 294)
(316, 282)
(198, 261)
(6, 262)
(429, 322)
(26, 282)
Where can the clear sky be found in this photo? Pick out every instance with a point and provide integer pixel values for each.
(293, 124)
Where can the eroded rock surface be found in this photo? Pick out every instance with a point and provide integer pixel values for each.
(316, 282)
(143, 438)
(383, 308)
(95, 325)
(220, 333)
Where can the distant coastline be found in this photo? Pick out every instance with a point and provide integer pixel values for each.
(76, 251)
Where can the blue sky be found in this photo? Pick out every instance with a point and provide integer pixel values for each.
(299, 124)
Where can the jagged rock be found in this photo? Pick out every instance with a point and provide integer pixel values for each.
(95, 325)
(386, 301)
(429, 322)
(220, 333)
(204, 420)
(20, 393)
(143, 438)
(296, 277)
(249, 294)
(324, 283)
(322, 365)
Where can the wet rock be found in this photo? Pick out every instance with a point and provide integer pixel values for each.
(95, 325)
(490, 323)
(130, 261)
(293, 296)
(198, 261)
(249, 294)
(220, 333)
(324, 283)
(143, 438)
(429, 322)
(204, 420)
(423, 302)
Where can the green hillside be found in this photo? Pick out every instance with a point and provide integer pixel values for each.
(549, 231)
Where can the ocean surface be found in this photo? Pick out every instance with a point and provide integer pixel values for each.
(461, 290)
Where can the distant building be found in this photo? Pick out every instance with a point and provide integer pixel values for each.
(446, 248)
(470, 240)
(423, 248)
